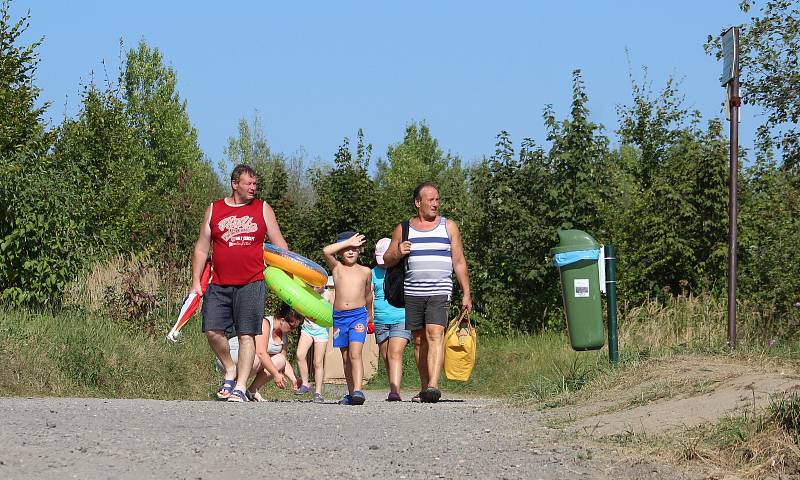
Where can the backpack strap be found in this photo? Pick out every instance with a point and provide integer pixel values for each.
(404, 226)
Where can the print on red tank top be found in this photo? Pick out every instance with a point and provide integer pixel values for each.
(237, 242)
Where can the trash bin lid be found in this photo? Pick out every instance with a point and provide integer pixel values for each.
(573, 240)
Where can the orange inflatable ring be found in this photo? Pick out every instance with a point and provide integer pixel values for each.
(294, 264)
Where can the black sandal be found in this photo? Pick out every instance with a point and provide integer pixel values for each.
(430, 395)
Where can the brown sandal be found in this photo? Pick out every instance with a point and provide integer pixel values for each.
(254, 396)
(417, 398)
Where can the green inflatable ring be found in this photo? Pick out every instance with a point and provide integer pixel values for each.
(299, 296)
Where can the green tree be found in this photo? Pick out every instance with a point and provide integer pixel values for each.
(124, 175)
(710, 200)
(101, 156)
(83, 203)
(158, 115)
(674, 236)
(171, 157)
(345, 198)
(21, 128)
(250, 148)
(23, 146)
(511, 237)
(281, 180)
(770, 219)
(523, 198)
(578, 149)
(650, 124)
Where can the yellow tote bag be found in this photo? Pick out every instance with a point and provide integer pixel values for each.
(460, 348)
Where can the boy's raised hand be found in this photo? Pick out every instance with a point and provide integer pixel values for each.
(356, 240)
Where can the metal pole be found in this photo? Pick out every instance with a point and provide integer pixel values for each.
(611, 302)
(735, 101)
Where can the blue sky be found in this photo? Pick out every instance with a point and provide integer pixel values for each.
(316, 72)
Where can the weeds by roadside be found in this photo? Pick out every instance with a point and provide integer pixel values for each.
(697, 323)
(134, 291)
(749, 444)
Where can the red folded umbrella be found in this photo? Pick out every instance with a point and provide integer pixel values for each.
(190, 304)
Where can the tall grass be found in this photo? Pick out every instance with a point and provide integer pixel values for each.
(79, 353)
(699, 323)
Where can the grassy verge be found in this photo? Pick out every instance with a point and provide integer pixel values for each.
(79, 354)
(758, 443)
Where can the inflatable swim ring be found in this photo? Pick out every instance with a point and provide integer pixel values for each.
(295, 264)
(295, 293)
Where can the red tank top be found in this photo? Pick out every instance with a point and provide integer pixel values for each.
(237, 242)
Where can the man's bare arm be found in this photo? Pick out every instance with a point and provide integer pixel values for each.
(397, 248)
(273, 229)
(201, 248)
(460, 264)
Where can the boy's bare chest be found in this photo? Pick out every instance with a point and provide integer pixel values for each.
(349, 275)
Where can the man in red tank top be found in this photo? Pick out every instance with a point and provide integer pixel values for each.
(234, 228)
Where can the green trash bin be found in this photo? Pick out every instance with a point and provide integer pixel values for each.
(576, 258)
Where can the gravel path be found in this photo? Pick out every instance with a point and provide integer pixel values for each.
(46, 438)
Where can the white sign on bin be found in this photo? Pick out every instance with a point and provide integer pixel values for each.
(581, 288)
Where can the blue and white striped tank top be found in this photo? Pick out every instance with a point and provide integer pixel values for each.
(430, 263)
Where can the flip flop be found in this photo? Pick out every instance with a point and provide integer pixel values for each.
(224, 391)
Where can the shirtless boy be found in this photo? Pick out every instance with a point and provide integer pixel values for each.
(352, 287)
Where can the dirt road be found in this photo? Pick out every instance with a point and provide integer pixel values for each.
(473, 438)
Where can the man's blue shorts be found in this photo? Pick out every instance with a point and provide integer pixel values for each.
(349, 326)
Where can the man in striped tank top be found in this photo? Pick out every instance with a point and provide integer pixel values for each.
(435, 251)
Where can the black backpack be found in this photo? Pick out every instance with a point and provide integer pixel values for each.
(395, 277)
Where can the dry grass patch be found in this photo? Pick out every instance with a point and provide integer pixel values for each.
(640, 383)
(135, 291)
(93, 289)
